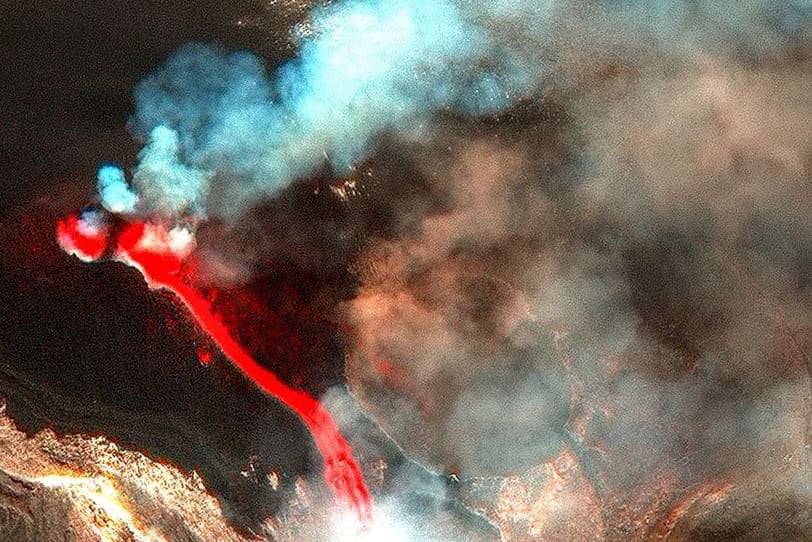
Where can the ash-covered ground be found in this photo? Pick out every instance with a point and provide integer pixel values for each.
(548, 264)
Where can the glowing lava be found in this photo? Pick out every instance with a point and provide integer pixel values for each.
(82, 236)
(158, 255)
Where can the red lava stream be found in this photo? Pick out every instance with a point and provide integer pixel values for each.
(140, 246)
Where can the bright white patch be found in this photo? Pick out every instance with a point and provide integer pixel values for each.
(154, 238)
(178, 241)
(105, 497)
(181, 241)
(346, 528)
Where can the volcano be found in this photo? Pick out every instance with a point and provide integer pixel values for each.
(406, 270)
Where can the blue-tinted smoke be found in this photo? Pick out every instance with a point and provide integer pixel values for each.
(221, 133)
(115, 193)
(212, 116)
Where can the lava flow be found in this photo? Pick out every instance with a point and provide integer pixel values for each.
(158, 255)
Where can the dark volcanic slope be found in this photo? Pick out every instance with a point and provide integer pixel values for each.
(89, 348)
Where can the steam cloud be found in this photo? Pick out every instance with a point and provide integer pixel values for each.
(220, 133)
(215, 122)
(588, 226)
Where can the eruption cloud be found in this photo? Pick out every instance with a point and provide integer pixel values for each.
(221, 134)
(570, 185)
(218, 129)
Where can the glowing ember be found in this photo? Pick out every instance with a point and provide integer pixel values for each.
(158, 254)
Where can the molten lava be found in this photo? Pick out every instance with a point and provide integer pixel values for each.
(152, 250)
(79, 236)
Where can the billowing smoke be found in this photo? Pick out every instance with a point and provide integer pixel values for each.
(221, 133)
(585, 233)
